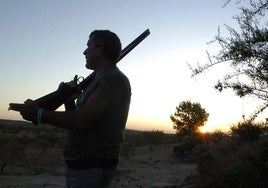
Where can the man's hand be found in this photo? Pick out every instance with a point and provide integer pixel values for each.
(28, 110)
(69, 90)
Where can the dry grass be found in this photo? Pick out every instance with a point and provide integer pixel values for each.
(144, 168)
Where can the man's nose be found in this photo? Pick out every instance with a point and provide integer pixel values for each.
(85, 52)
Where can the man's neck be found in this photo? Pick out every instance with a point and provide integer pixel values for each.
(104, 68)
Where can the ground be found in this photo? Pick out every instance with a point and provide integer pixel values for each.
(144, 169)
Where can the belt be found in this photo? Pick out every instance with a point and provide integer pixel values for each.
(91, 163)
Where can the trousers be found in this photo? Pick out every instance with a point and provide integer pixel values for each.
(89, 178)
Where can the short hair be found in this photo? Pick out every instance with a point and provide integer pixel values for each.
(110, 42)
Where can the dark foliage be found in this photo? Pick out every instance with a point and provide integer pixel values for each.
(188, 118)
(245, 50)
(225, 161)
(247, 131)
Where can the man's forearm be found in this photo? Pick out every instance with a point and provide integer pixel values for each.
(65, 120)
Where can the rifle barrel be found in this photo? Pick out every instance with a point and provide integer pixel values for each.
(51, 101)
(134, 43)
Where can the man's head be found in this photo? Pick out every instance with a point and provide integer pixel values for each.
(103, 42)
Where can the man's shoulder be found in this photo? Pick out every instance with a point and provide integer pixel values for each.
(116, 74)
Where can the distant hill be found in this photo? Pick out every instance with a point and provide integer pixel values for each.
(27, 126)
(26, 123)
(13, 122)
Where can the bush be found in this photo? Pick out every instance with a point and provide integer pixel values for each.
(154, 137)
(184, 149)
(232, 164)
(11, 150)
(247, 131)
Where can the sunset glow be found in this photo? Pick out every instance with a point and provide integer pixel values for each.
(41, 48)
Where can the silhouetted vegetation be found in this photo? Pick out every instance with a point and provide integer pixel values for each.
(235, 159)
(247, 131)
(245, 51)
(23, 144)
(135, 139)
(239, 159)
(154, 137)
(188, 118)
(29, 149)
(11, 150)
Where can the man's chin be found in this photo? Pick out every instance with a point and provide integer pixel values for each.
(88, 66)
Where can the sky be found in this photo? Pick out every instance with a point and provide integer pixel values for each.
(42, 44)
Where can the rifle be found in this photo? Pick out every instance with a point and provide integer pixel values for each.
(54, 100)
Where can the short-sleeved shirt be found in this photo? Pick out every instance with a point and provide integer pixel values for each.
(103, 138)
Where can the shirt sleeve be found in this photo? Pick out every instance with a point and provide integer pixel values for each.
(114, 88)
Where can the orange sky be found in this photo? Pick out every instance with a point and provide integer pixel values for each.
(41, 48)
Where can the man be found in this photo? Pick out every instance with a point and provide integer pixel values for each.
(95, 127)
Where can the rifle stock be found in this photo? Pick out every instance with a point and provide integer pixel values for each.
(53, 100)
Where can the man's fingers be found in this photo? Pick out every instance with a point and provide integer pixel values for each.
(15, 106)
(75, 78)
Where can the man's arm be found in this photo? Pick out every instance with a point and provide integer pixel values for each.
(95, 109)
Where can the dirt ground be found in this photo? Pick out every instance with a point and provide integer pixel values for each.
(157, 168)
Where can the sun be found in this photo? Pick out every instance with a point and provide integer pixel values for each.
(206, 129)
(210, 128)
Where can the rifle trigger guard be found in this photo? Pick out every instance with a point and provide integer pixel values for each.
(80, 79)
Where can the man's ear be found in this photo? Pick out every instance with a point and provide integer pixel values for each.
(99, 49)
